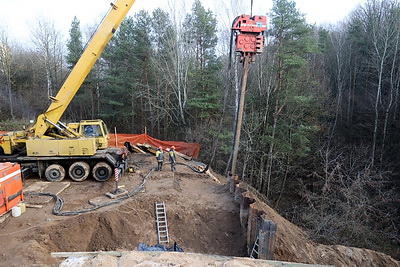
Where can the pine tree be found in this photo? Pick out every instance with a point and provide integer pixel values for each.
(127, 61)
(289, 107)
(88, 93)
(74, 44)
(206, 85)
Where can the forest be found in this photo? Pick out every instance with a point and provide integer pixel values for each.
(322, 109)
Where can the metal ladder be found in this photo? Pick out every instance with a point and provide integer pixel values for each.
(162, 225)
(254, 252)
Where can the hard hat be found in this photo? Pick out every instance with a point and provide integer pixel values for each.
(173, 147)
(160, 147)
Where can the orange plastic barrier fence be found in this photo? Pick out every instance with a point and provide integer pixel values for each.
(190, 149)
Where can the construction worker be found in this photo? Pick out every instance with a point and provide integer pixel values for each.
(172, 158)
(89, 130)
(160, 158)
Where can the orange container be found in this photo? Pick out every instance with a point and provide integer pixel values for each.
(10, 186)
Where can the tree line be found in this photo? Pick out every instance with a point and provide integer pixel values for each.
(319, 138)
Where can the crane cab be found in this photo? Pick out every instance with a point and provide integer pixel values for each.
(93, 129)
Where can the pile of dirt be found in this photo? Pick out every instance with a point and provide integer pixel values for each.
(202, 218)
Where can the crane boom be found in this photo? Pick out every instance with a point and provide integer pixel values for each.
(60, 102)
(80, 149)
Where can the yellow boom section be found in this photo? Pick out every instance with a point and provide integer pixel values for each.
(82, 68)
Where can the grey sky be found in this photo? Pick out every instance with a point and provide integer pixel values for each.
(17, 17)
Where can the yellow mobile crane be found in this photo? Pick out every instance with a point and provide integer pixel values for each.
(51, 147)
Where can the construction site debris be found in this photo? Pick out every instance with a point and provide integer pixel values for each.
(158, 247)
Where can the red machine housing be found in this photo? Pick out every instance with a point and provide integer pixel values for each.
(10, 186)
(250, 39)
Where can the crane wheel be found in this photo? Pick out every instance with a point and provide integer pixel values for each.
(79, 171)
(101, 172)
(55, 173)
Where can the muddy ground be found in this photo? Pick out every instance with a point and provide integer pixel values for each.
(202, 218)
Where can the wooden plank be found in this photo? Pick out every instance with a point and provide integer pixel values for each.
(34, 206)
(85, 254)
(137, 149)
(215, 179)
(150, 148)
(181, 155)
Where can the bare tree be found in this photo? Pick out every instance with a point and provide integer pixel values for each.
(6, 59)
(49, 45)
(173, 64)
(339, 60)
(380, 25)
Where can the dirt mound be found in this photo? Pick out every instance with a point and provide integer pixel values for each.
(201, 216)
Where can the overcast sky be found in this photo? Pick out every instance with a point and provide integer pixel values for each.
(17, 16)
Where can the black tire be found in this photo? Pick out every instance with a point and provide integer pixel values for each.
(1, 151)
(79, 171)
(55, 173)
(102, 172)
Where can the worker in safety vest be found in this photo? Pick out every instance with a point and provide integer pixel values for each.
(172, 158)
(160, 158)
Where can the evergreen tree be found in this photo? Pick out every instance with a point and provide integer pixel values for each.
(125, 97)
(205, 83)
(295, 94)
(288, 111)
(74, 44)
(88, 93)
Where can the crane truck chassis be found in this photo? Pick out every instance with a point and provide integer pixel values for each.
(50, 147)
(101, 164)
(54, 158)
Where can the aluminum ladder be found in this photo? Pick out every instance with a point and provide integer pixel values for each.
(162, 225)
(254, 252)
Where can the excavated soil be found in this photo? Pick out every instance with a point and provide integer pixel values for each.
(202, 218)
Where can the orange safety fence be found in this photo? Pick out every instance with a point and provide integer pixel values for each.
(190, 149)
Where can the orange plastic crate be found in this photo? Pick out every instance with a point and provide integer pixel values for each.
(10, 186)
